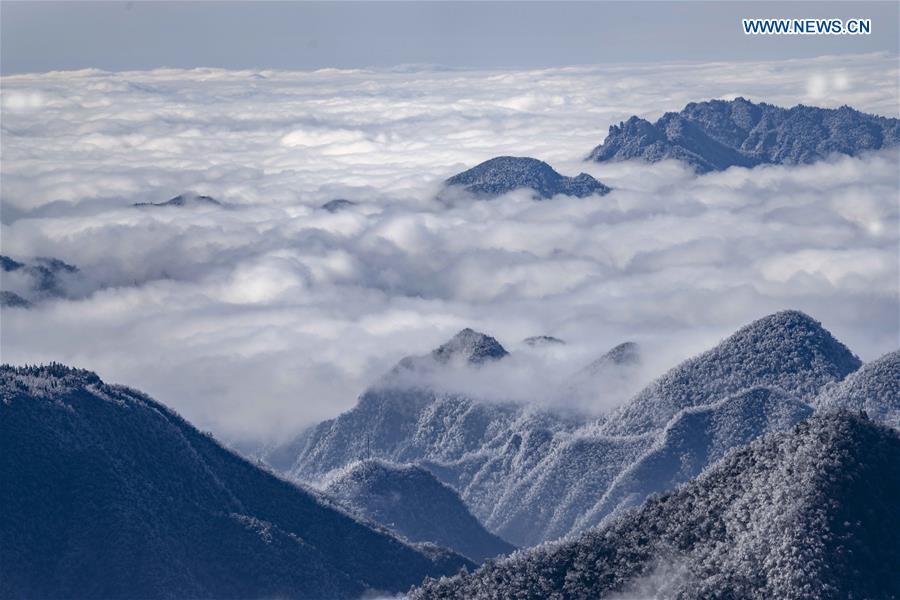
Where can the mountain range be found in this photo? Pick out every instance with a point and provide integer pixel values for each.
(109, 494)
(532, 476)
(768, 468)
(718, 134)
(807, 513)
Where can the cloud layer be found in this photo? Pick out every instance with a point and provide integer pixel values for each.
(270, 313)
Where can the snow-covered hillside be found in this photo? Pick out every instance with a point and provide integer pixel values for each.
(109, 494)
(536, 476)
(875, 388)
(410, 501)
(810, 513)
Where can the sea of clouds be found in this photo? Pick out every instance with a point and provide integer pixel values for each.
(259, 317)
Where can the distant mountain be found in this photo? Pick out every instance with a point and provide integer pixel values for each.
(534, 476)
(410, 501)
(608, 380)
(8, 264)
(108, 494)
(13, 300)
(471, 347)
(874, 388)
(787, 350)
(717, 134)
(186, 199)
(810, 513)
(504, 174)
(627, 354)
(26, 281)
(337, 205)
(402, 418)
(480, 449)
(543, 340)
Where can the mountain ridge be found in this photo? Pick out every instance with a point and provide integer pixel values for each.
(110, 494)
(717, 134)
(788, 349)
(806, 513)
(532, 477)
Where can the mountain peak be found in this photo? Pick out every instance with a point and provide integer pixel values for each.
(811, 342)
(504, 174)
(626, 353)
(469, 346)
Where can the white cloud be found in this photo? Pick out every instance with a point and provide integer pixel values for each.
(267, 315)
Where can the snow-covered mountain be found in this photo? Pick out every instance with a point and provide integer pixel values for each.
(535, 476)
(694, 439)
(787, 350)
(109, 494)
(402, 419)
(507, 173)
(410, 501)
(874, 388)
(574, 479)
(114, 480)
(717, 134)
(616, 374)
(809, 513)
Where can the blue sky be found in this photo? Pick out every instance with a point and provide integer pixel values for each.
(43, 36)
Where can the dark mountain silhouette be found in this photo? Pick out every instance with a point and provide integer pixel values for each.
(543, 340)
(337, 205)
(410, 501)
(13, 300)
(109, 494)
(717, 134)
(504, 174)
(37, 279)
(810, 513)
(186, 199)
